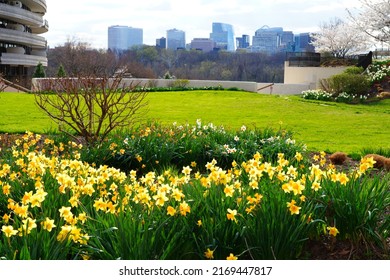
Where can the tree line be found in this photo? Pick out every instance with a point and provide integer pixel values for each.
(76, 58)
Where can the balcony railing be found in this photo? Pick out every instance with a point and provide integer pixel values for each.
(303, 59)
(19, 15)
(21, 38)
(22, 59)
(41, 29)
(38, 6)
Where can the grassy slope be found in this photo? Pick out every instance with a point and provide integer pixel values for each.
(321, 125)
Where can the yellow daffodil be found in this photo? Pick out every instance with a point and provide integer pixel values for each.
(27, 227)
(48, 224)
(298, 156)
(294, 209)
(343, 179)
(177, 194)
(315, 186)
(6, 189)
(171, 211)
(186, 170)
(8, 231)
(229, 190)
(65, 212)
(6, 218)
(160, 198)
(209, 254)
(297, 187)
(232, 257)
(231, 215)
(333, 231)
(184, 208)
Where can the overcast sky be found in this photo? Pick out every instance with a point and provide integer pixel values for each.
(88, 20)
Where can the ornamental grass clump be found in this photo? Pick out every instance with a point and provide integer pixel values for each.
(55, 206)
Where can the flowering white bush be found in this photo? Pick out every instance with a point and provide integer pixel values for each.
(325, 96)
(378, 71)
(317, 94)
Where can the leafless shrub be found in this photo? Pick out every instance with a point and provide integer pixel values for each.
(91, 107)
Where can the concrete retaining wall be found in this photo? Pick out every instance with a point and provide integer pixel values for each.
(283, 89)
(264, 88)
(248, 86)
(309, 75)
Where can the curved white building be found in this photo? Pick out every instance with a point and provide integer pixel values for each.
(21, 46)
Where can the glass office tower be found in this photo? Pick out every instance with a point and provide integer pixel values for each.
(121, 38)
(223, 35)
(176, 39)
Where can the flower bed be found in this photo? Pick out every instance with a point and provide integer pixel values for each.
(54, 205)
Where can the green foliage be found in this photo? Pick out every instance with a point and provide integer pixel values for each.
(352, 84)
(357, 208)
(354, 70)
(61, 73)
(254, 209)
(155, 147)
(39, 71)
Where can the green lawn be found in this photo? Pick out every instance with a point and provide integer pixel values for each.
(321, 125)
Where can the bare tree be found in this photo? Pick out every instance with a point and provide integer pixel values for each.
(3, 85)
(339, 38)
(91, 107)
(80, 59)
(373, 18)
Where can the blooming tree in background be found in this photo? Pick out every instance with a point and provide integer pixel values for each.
(340, 38)
(374, 19)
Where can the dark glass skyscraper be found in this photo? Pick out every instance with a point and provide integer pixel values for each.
(243, 42)
(223, 35)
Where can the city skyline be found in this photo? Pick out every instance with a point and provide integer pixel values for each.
(88, 20)
(266, 39)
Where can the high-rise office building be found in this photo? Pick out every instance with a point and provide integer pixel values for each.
(243, 42)
(287, 41)
(121, 38)
(267, 39)
(203, 44)
(303, 43)
(273, 40)
(176, 39)
(161, 43)
(21, 46)
(223, 35)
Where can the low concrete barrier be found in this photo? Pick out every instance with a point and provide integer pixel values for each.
(265, 88)
(283, 89)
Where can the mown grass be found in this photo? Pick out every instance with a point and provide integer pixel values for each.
(321, 125)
